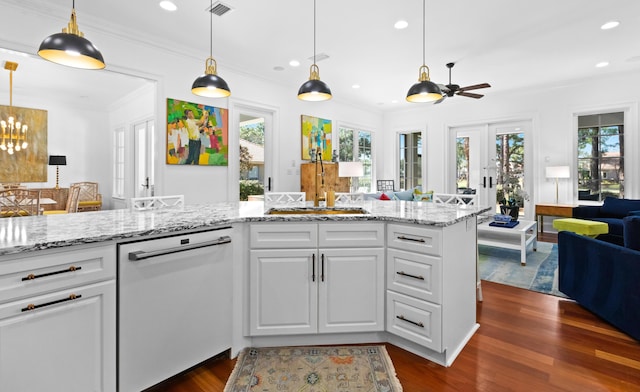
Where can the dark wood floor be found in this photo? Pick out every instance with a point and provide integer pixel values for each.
(527, 341)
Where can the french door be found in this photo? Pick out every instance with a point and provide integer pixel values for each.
(493, 160)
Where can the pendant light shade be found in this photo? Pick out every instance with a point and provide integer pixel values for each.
(210, 84)
(425, 90)
(314, 89)
(70, 48)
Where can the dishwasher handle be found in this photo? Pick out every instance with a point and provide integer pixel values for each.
(141, 255)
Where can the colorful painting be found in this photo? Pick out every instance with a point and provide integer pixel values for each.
(316, 136)
(29, 163)
(197, 134)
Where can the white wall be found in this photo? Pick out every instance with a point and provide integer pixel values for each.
(552, 112)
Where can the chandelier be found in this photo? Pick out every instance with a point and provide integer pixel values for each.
(14, 133)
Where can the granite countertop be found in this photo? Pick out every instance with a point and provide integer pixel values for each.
(32, 233)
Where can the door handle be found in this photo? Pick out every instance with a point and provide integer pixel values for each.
(490, 182)
(322, 270)
(484, 181)
(269, 184)
(313, 267)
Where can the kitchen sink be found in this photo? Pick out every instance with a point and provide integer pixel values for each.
(316, 211)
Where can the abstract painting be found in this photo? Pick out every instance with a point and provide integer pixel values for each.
(197, 134)
(29, 164)
(316, 137)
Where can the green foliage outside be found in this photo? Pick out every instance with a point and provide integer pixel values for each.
(250, 187)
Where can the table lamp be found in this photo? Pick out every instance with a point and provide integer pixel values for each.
(558, 172)
(350, 169)
(57, 160)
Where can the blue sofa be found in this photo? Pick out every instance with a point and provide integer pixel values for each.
(603, 277)
(612, 211)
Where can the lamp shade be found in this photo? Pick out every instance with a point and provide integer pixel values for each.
(71, 50)
(424, 91)
(210, 85)
(314, 90)
(558, 172)
(57, 160)
(350, 169)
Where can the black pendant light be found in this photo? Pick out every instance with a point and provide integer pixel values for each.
(210, 84)
(314, 89)
(71, 48)
(425, 90)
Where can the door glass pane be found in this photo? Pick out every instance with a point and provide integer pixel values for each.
(410, 155)
(252, 174)
(462, 163)
(510, 170)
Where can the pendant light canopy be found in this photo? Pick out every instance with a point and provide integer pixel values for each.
(210, 84)
(70, 48)
(314, 89)
(425, 90)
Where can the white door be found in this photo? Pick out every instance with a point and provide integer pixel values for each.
(254, 175)
(351, 290)
(494, 160)
(283, 291)
(144, 143)
(64, 345)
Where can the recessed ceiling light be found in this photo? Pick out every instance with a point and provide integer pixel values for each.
(602, 64)
(168, 5)
(294, 63)
(610, 25)
(355, 86)
(401, 24)
(394, 101)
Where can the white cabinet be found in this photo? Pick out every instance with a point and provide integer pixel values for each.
(431, 288)
(57, 321)
(316, 278)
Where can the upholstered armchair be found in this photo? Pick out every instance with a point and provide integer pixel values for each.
(89, 199)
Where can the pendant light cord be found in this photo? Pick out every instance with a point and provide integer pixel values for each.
(210, 29)
(424, 32)
(314, 32)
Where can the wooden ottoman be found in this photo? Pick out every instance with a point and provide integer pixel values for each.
(581, 226)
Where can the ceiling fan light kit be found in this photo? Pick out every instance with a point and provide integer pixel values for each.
(425, 90)
(210, 84)
(314, 89)
(70, 48)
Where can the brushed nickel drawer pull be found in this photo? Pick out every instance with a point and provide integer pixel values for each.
(71, 297)
(401, 237)
(401, 317)
(420, 277)
(33, 276)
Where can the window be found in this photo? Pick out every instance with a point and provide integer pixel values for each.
(601, 156)
(410, 155)
(118, 163)
(355, 146)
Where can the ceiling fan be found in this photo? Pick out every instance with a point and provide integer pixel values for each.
(453, 89)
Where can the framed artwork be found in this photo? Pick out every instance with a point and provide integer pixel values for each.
(316, 136)
(29, 163)
(197, 134)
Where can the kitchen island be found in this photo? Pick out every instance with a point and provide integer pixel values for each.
(405, 270)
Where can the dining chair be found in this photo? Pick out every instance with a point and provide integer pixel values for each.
(72, 202)
(19, 202)
(90, 199)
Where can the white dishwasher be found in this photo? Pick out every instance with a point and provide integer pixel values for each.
(174, 307)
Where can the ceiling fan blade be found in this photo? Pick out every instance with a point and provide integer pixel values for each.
(475, 87)
(470, 95)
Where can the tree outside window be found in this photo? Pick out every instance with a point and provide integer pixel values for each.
(601, 156)
(355, 146)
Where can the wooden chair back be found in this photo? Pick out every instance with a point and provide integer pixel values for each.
(19, 202)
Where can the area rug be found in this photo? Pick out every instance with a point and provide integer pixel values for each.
(314, 369)
(539, 274)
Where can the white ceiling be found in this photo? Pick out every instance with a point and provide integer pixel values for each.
(512, 45)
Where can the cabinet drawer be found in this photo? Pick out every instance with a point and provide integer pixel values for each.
(414, 274)
(415, 239)
(40, 273)
(351, 235)
(415, 320)
(284, 235)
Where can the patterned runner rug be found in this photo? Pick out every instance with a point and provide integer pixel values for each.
(503, 266)
(314, 369)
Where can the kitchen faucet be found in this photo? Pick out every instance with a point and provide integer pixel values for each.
(319, 196)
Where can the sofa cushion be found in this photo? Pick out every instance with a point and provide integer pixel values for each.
(632, 232)
(618, 208)
(615, 225)
(634, 213)
(404, 195)
(384, 196)
(419, 196)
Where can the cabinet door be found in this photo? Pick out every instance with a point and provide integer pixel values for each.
(351, 290)
(283, 291)
(63, 345)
